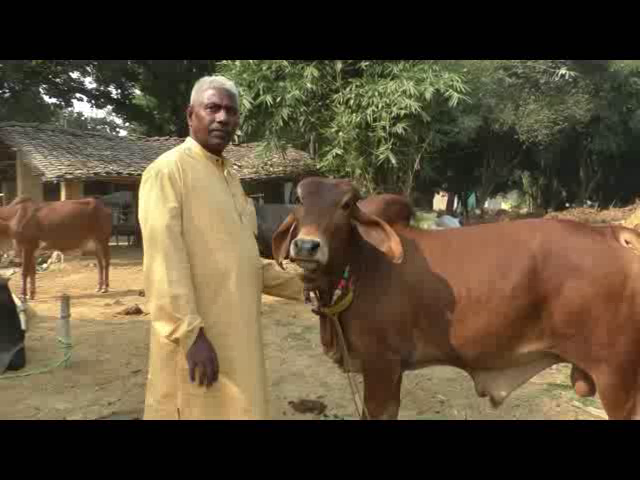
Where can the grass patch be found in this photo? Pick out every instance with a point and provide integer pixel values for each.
(587, 401)
(555, 387)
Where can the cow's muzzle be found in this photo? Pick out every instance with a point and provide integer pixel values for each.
(308, 253)
(306, 248)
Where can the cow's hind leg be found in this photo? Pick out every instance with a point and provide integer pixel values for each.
(107, 265)
(100, 259)
(25, 276)
(33, 277)
(382, 386)
(104, 258)
(28, 272)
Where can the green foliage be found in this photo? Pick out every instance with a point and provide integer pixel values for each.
(558, 130)
(152, 95)
(366, 120)
(24, 82)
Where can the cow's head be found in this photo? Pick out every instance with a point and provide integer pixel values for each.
(320, 232)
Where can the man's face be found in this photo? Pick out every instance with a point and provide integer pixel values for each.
(213, 119)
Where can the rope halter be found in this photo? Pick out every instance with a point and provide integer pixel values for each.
(341, 300)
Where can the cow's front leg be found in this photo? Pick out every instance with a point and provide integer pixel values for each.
(32, 282)
(382, 386)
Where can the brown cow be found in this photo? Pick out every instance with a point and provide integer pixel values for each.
(502, 301)
(61, 225)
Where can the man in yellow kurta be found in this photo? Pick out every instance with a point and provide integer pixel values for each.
(203, 274)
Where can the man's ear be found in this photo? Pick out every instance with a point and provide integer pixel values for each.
(282, 239)
(378, 233)
(189, 113)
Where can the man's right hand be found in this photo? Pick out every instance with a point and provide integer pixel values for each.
(202, 356)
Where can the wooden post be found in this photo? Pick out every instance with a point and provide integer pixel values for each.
(64, 326)
(137, 239)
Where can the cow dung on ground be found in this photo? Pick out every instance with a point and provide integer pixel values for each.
(132, 310)
(308, 406)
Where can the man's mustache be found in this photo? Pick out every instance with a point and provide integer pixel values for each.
(221, 130)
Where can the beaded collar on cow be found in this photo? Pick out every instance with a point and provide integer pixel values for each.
(342, 297)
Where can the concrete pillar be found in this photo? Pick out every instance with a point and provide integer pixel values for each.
(288, 186)
(9, 191)
(28, 183)
(71, 190)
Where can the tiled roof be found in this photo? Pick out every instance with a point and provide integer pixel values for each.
(57, 153)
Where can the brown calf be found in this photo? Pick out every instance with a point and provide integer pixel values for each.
(501, 302)
(64, 226)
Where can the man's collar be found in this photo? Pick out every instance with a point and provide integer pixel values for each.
(201, 152)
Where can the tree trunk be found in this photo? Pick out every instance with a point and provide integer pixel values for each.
(428, 200)
(182, 128)
(464, 198)
(423, 199)
(588, 180)
(312, 146)
(482, 196)
(451, 197)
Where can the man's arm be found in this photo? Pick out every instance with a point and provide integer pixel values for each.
(167, 272)
(275, 282)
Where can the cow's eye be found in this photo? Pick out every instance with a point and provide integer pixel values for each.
(346, 206)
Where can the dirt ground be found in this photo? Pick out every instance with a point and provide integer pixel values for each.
(106, 376)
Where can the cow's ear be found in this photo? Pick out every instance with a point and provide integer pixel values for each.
(282, 239)
(379, 234)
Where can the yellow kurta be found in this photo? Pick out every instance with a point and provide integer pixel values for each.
(202, 269)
